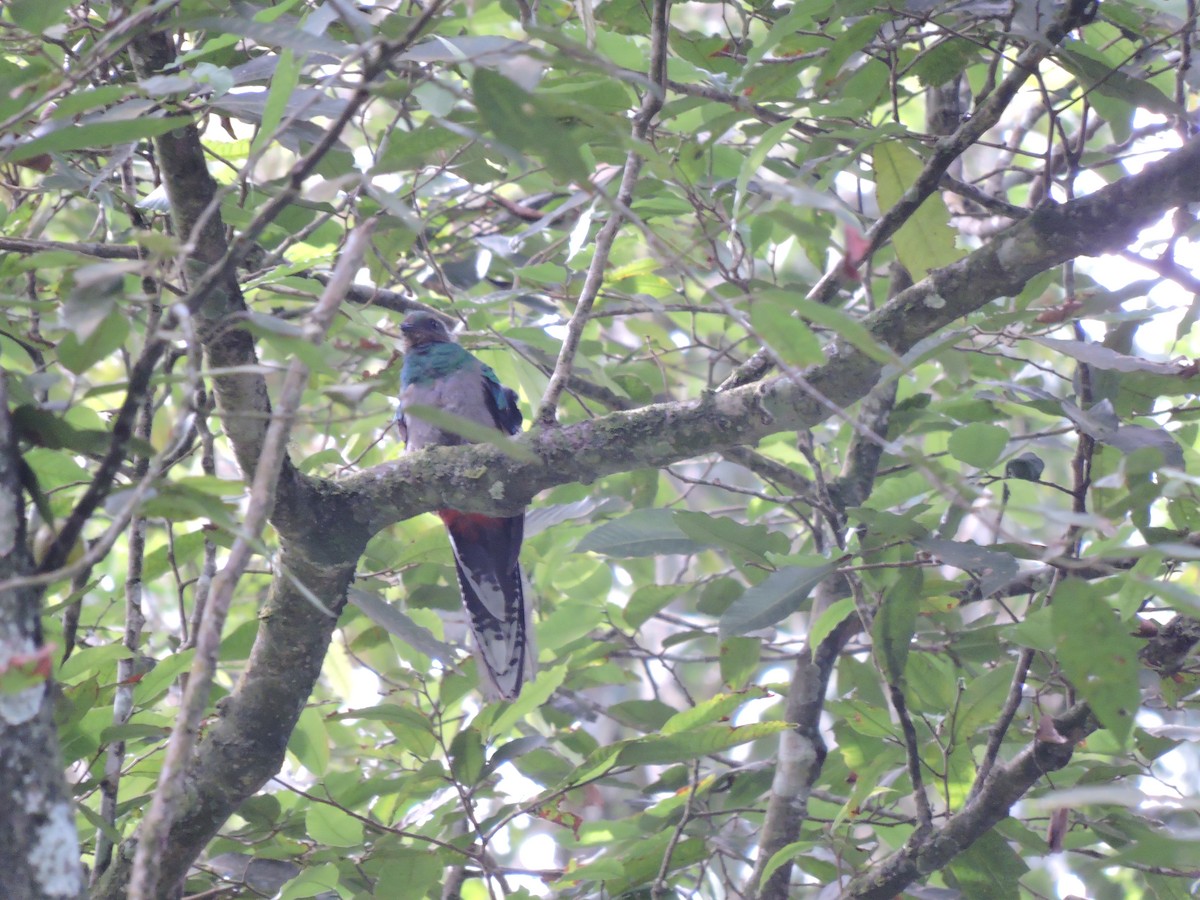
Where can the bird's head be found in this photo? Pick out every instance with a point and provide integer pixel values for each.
(421, 328)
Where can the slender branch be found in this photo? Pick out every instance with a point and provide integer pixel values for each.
(659, 887)
(102, 481)
(997, 732)
(912, 755)
(100, 251)
(652, 102)
(135, 620)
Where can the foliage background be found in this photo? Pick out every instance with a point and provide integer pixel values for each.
(954, 572)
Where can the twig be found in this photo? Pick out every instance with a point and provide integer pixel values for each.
(135, 619)
(100, 251)
(659, 887)
(889, 878)
(102, 481)
(913, 758)
(996, 735)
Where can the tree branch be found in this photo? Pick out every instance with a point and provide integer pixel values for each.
(1007, 785)
(484, 479)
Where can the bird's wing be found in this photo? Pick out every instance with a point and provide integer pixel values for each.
(501, 402)
(401, 425)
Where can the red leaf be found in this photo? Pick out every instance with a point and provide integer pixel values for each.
(857, 247)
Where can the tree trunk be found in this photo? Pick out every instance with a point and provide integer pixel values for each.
(38, 845)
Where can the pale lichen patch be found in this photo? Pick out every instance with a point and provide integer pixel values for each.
(19, 707)
(55, 855)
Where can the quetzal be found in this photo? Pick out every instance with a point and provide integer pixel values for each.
(439, 373)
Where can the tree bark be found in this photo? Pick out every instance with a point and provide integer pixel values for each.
(38, 844)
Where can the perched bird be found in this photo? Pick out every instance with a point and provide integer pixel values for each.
(439, 373)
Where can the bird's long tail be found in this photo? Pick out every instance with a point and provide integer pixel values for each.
(486, 552)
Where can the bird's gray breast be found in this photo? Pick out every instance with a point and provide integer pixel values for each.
(460, 394)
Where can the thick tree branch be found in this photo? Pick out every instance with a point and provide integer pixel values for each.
(245, 744)
(483, 478)
(38, 842)
(242, 397)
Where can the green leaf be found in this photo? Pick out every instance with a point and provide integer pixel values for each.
(184, 549)
(772, 600)
(466, 756)
(644, 532)
(714, 708)
(1096, 73)
(648, 600)
(994, 567)
(739, 658)
(35, 16)
(662, 750)
(533, 696)
(944, 61)
(155, 682)
(472, 431)
(102, 658)
(108, 337)
(790, 339)
(276, 32)
(758, 154)
(845, 326)
(829, 619)
(310, 742)
(895, 622)
(284, 81)
(393, 621)
(517, 118)
(751, 542)
(978, 444)
(988, 869)
(644, 715)
(1097, 653)
(784, 854)
(845, 45)
(926, 240)
(69, 136)
(313, 882)
(981, 701)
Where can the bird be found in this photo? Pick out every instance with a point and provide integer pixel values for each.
(439, 373)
